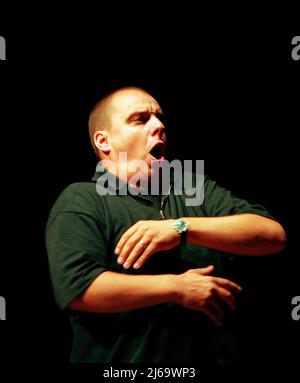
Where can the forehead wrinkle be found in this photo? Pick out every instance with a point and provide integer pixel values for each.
(136, 102)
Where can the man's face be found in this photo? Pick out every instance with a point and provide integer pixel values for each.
(136, 129)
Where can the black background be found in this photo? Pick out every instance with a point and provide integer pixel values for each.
(230, 94)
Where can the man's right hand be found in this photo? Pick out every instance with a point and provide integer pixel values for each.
(198, 290)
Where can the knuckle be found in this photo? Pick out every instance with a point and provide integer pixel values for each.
(206, 304)
(143, 258)
(124, 238)
(211, 287)
(201, 306)
(154, 242)
(207, 295)
(146, 255)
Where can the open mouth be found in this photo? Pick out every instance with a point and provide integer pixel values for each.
(157, 151)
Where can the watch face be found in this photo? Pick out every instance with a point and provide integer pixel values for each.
(181, 226)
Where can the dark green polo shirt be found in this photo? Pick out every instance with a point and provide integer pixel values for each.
(82, 232)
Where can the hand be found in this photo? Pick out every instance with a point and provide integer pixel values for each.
(198, 290)
(144, 239)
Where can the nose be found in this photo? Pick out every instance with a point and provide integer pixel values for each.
(156, 126)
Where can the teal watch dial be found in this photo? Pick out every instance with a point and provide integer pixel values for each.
(181, 226)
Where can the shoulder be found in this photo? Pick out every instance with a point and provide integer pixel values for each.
(77, 193)
(80, 198)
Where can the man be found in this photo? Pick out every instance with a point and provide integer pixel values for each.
(143, 277)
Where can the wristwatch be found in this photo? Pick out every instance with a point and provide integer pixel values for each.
(181, 226)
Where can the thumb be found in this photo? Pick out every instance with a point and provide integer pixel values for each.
(206, 271)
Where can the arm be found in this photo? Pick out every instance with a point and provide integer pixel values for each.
(113, 292)
(196, 289)
(244, 234)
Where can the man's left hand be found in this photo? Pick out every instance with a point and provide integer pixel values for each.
(143, 239)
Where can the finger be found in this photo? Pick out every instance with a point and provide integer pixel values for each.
(135, 254)
(144, 256)
(214, 311)
(125, 237)
(229, 285)
(205, 271)
(226, 297)
(129, 247)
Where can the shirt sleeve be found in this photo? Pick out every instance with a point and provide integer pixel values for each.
(75, 246)
(219, 202)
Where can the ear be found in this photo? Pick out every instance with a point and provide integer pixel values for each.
(101, 141)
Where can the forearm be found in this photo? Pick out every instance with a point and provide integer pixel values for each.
(196, 289)
(245, 234)
(113, 292)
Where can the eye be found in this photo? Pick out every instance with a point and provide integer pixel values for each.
(143, 119)
(140, 118)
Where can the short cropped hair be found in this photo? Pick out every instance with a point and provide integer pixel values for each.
(99, 118)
